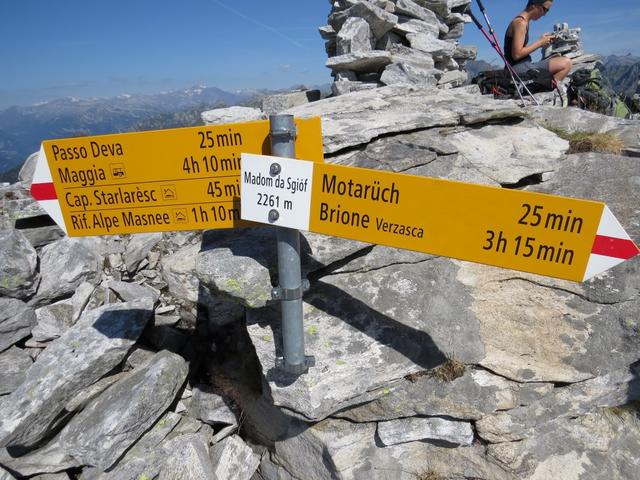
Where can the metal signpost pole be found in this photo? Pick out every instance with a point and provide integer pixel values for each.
(290, 289)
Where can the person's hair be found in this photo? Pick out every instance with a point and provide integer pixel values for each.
(532, 3)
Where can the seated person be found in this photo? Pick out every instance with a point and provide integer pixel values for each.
(517, 50)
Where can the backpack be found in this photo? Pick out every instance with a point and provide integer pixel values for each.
(500, 84)
(589, 90)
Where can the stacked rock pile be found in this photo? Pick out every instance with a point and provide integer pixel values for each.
(569, 44)
(372, 43)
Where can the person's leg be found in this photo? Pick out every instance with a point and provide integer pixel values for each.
(559, 67)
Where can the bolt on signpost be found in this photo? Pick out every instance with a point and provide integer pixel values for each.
(290, 288)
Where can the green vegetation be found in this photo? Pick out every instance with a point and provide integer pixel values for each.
(580, 142)
(447, 372)
(430, 474)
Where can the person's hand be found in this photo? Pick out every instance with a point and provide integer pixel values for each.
(546, 39)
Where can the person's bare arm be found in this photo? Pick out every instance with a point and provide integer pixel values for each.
(518, 49)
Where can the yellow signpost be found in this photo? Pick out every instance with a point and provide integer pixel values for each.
(165, 180)
(545, 234)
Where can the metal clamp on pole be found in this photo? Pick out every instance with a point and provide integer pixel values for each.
(289, 292)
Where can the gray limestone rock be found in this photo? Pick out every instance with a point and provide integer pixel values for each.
(179, 271)
(28, 168)
(274, 104)
(372, 61)
(357, 118)
(601, 445)
(83, 354)
(4, 475)
(430, 27)
(406, 55)
(14, 364)
(470, 397)
(465, 52)
(145, 457)
(17, 320)
(439, 49)
(241, 267)
(210, 408)
(235, 114)
(106, 428)
(187, 458)
(412, 9)
(238, 266)
(387, 41)
(128, 291)
(64, 265)
(339, 449)
(18, 263)
(342, 87)
(406, 430)
(354, 37)
(409, 74)
(575, 400)
(87, 394)
(390, 322)
(138, 248)
(427, 153)
(233, 459)
(508, 154)
(379, 20)
(49, 458)
(453, 78)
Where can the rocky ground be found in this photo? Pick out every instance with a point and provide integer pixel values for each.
(152, 356)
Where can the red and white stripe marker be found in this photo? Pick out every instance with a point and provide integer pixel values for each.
(611, 246)
(44, 191)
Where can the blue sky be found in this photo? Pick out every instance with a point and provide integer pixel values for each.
(83, 48)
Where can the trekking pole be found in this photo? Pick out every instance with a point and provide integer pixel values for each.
(496, 46)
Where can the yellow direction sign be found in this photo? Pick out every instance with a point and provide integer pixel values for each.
(179, 179)
(545, 234)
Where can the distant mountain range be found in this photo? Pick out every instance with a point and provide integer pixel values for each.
(22, 129)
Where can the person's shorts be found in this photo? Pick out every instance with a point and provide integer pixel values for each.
(524, 67)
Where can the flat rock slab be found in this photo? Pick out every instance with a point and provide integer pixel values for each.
(427, 153)
(232, 115)
(339, 449)
(241, 267)
(18, 262)
(138, 248)
(233, 459)
(64, 265)
(474, 395)
(372, 61)
(145, 457)
(49, 458)
(91, 348)
(108, 426)
(509, 153)
(14, 364)
(413, 429)
(575, 400)
(602, 445)
(390, 322)
(187, 458)
(357, 118)
(17, 320)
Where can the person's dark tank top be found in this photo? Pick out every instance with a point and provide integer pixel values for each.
(508, 44)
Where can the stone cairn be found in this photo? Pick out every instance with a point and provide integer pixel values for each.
(569, 44)
(372, 43)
